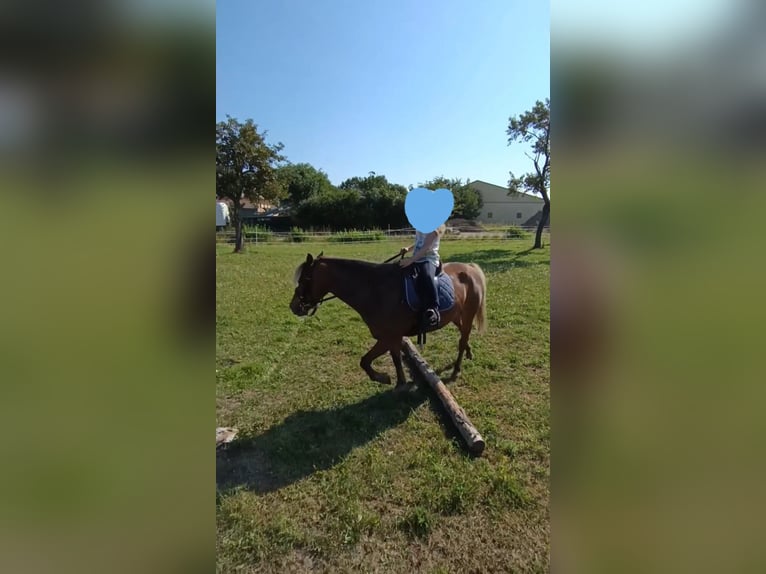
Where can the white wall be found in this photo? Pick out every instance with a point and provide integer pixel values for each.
(499, 207)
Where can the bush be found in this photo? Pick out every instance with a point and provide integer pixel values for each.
(355, 205)
(352, 236)
(262, 234)
(297, 235)
(515, 232)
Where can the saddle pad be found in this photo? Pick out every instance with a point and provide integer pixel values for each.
(445, 293)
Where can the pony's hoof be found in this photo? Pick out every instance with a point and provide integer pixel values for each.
(401, 388)
(455, 375)
(383, 379)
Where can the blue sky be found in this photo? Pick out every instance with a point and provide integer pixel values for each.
(410, 90)
(646, 27)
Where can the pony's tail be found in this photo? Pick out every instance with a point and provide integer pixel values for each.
(481, 315)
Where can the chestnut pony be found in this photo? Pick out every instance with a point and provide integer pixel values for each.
(375, 291)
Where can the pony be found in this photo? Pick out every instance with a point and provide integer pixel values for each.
(376, 292)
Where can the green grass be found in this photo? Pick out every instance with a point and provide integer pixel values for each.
(335, 473)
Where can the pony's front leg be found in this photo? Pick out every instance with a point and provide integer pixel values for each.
(366, 363)
(396, 356)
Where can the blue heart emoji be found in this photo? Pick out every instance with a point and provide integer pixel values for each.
(426, 209)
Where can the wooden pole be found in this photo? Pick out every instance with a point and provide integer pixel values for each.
(472, 437)
(224, 435)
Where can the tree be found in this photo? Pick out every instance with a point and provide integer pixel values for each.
(374, 184)
(302, 181)
(334, 209)
(380, 202)
(534, 127)
(468, 201)
(245, 167)
(370, 202)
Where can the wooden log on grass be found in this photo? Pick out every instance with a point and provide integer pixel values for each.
(223, 436)
(472, 437)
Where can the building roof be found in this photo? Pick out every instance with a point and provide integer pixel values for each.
(245, 203)
(498, 189)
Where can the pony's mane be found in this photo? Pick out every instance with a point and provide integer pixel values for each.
(351, 262)
(298, 271)
(342, 263)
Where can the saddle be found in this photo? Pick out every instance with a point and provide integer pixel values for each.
(445, 297)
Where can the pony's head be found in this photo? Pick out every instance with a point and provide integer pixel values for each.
(307, 295)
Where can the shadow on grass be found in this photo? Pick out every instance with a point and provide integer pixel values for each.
(309, 441)
(493, 260)
(449, 430)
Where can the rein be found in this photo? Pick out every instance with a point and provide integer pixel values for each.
(314, 309)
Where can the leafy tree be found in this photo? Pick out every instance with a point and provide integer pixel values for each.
(468, 201)
(334, 209)
(534, 127)
(374, 184)
(358, 203)
(302, 181)
(381, 202)
(245, 167)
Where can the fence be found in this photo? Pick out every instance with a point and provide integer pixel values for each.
(265, 236)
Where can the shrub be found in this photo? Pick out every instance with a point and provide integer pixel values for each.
(262, 234)
(360, 203)
(353, 235)
(297, 235)
(515, 232)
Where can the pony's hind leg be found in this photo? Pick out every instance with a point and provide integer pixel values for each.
(462, 347)
(465, 325)
(366, 363)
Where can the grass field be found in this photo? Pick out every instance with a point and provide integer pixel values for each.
(335, 473)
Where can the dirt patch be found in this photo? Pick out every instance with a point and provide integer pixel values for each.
(464, 225)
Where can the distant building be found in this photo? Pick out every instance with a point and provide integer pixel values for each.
(222, 218)
(249, 211)
(252, 210)
(519, 209)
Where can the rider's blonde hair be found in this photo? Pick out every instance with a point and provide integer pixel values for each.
(442, 229)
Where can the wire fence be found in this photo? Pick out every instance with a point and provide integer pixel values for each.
(265, 236)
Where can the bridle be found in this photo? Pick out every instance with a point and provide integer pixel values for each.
(306, 306)
(310, 307)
